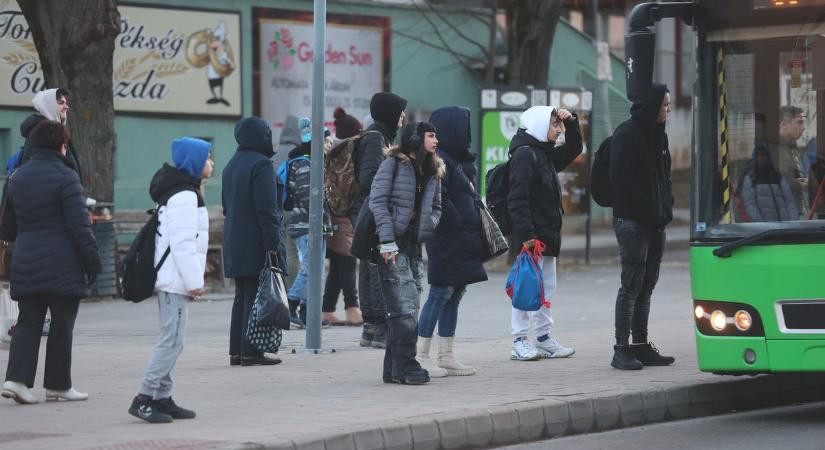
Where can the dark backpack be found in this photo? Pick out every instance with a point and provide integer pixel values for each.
(498, 188)
(139, 270)
(600, 175)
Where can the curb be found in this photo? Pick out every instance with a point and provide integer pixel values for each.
(539, 420)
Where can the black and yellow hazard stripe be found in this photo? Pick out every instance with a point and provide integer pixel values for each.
(723, 135)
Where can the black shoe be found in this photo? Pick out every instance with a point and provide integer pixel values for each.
(259, 361)
(389, 379)
(623, 358)
(367, 335)
(415, 377)
(169, 407)
(649, 355)
(380, 338)
(144, 408)
(234, 360)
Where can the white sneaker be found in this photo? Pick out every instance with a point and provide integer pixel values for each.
(524, 350)
(70, 395)
(18, 392)
(552, 349)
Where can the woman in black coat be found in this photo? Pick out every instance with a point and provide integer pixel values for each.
(456, 250)
(55, 259)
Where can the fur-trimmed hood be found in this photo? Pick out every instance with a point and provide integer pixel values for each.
(395, 152)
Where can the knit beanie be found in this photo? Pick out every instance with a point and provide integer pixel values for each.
(346, 126)
(386, 108)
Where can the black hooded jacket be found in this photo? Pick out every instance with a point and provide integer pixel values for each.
(535, 191)
(456, 249)
(640, 165)
(253, 215)
(26, 128)
(169, 180)
(386, 109)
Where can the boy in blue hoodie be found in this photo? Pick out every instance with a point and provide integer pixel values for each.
(180, 254)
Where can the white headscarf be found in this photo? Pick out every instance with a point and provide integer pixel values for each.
(45, 102)
(536, 121)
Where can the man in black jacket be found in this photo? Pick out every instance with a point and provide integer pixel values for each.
(51, 104)
(535, 208)
(642, 207)
(252, 227)
(387, 110)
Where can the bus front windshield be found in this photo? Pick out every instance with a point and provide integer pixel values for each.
(769, 165)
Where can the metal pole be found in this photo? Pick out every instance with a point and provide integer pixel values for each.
(316, 191)
(605, 113)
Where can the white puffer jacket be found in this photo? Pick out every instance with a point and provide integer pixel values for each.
(184, 228)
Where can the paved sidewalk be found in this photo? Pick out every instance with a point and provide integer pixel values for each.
(337, 401)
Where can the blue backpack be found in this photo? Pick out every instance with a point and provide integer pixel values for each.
(281, 178)
(525, 283)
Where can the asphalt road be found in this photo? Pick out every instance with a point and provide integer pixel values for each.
(800, 427)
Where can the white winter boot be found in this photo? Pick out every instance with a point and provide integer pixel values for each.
(423, 358)
(447, 361)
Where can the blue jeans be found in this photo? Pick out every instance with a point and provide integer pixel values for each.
(640, 251)
(442, 307)
(298, 290)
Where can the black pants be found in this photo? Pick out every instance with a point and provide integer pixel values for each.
(401, 282)
(373, 303)
(245, 290)
(341, 277)
(25, 343)
(640, 250)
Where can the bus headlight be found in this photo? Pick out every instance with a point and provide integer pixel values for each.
(699, 312)
(742, 320)
(718, 320)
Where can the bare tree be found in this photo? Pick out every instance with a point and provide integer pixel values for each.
(75, 41)
(531, 26)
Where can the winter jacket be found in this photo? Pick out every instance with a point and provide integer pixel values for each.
(456, 250)
(534, 201)
(26, 129)
(298, 184)
(640, 165)
(392, 199)
(46, 217)
(183, 231)
(368, 156)
(252, 212)
(764, 193)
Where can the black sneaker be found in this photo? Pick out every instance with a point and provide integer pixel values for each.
(380, 338)
(649, 355)
(144, 408)
(415, 377)
(169, 407)
(367, 335)
(623, 358)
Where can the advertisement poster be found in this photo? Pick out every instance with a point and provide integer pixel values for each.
(498, 127)
(166, 61)
(356, 64)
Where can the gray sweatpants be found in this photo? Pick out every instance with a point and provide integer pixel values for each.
(173, 309)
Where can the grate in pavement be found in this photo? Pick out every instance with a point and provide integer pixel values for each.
(165, 444)
(25, 436)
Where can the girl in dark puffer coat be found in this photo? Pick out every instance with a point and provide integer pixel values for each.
(405, 199)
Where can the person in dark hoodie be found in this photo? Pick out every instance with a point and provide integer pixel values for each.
(535, 208)
(55, 260)
(180, 251)
(642, 207)
(387, 111)
(252, 227)
(456, 250)
(289, 139)
(297, 173)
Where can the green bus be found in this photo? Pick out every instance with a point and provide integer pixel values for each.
(757, 250)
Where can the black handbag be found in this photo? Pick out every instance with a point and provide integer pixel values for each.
(365, 234)
(271, 307)
(494, 242)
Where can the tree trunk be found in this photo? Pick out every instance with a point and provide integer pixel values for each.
(76, 41)
(531, 26)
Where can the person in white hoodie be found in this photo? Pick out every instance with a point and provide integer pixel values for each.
(51, 104)
(180, 251)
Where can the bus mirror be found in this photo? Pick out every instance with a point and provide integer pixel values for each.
(640, 47)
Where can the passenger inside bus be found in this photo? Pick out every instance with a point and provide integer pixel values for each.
(764, 194)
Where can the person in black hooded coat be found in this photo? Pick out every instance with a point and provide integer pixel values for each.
(253, 226)
(457, 247)
(387, 111)
(642, 207)
(55, 260)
